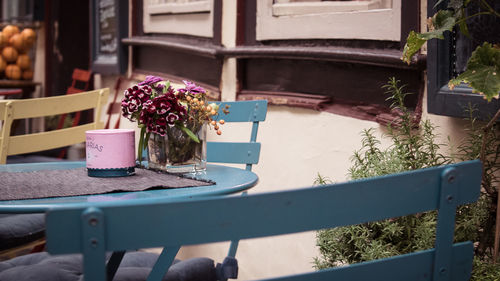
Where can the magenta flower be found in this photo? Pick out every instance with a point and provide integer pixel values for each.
(160, 112)
(150, 80)
(133, 100)
(171, 118)
(191, 88)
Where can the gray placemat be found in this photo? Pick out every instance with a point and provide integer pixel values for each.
(61, 183)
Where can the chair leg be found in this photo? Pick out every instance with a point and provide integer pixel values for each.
(233, 247)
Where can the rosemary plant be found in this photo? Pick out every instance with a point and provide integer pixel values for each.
(415, 147)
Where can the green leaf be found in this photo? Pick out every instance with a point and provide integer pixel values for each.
(146, 139)
(456, 4)
(188, 132)
(483, 72)
(462, 22)
(463, 28)
(165, 88)
(413, 44)
(442, 21)
(142, 144)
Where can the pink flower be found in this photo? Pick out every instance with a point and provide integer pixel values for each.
(150, 80)
(171, 118)
(192, 88)
(133, 100)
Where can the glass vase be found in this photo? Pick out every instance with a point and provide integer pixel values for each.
(176, 152)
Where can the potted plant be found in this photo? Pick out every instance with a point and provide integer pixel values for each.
(173, 123)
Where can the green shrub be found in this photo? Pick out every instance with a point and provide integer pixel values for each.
(414, 147)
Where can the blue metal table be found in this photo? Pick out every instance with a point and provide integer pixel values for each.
(227, 180)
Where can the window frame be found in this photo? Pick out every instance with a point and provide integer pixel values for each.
(440, 99)
(187, 18)
(386, 23)
(117, 62)
(179, 8)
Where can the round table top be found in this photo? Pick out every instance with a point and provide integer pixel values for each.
(227, 180)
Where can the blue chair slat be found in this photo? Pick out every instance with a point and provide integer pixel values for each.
(233, 152)
(410, 267)
(165, 260)
(222, 219)
(244, 111)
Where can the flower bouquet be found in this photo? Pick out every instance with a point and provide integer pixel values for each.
(173, 123)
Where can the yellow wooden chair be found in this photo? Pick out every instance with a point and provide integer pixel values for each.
(11, 110)
(24, 231)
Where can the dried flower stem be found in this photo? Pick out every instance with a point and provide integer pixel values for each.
(490, 124)
(490, 189)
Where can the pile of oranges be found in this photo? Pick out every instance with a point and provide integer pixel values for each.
(15, 44)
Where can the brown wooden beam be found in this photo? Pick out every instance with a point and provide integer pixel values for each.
(379, 57)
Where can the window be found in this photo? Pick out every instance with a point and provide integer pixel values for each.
(109, 26)
(13, 11)
(191, 17)
(288, 19)
(303, 7)
(327, 55)
(446, 58)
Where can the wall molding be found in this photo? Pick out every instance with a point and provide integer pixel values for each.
(379, 57)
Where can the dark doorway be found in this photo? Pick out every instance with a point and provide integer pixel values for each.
(67, 42)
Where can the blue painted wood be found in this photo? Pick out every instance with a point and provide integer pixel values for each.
(227, 180)
(445, 228)
(92, 243)
(239, 153)
(244, 111)
(233, 152)
(410, 267)
(164, 261)
(221, 219)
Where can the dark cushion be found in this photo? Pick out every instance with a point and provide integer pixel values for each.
(135, 266)
(16, 230)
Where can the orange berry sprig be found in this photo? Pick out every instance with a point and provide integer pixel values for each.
(206, 111)
(213, 109)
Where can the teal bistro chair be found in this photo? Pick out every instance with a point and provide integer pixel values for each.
(120, 226)
(247, 153)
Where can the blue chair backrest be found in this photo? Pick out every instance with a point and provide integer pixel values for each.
(118, 227)
(239, 152)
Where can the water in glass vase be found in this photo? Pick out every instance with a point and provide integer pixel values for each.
(176, 152)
